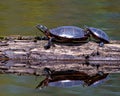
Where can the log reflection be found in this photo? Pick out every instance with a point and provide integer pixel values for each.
(70, 78)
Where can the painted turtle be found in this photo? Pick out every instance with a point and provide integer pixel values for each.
(63, 34)
(98, 34)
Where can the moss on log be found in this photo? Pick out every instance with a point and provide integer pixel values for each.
(29, 57)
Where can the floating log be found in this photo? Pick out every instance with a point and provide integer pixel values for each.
(62, 56)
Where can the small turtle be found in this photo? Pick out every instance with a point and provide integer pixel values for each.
(63, 34)
(98, 34)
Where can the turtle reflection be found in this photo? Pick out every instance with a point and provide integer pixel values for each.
(70, 78)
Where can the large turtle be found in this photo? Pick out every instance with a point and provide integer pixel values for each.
(98, 34)
(63, 34)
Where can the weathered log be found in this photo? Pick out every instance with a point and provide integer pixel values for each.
(27, 56)
(27, 49)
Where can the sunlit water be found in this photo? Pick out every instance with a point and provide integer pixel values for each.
(18, 17)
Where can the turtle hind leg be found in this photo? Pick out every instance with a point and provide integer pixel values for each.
(48, 45)
(101, 44)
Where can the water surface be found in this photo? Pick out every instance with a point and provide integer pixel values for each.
(13, 85)
(18, 17)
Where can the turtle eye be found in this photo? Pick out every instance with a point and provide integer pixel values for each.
(44, 28)
(41, 26)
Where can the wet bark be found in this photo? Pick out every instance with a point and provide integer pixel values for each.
(29, 57)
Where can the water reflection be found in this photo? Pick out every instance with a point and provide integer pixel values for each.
(35, 67)
(71, 78)
(25, 85)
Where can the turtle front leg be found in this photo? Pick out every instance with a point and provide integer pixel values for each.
(48, 45)
(101, 44)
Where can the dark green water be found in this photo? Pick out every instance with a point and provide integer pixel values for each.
(13, 85)
(18, 17)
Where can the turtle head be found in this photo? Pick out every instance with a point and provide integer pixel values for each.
(86, 30)
(41, 28)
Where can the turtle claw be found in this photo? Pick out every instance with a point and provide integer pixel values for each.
(100, 73)
(101, 44)
(46, 47)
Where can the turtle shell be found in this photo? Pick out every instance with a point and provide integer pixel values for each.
(68, 32)
(99, 34)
